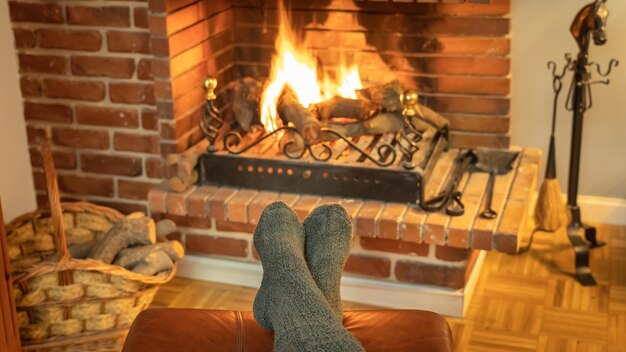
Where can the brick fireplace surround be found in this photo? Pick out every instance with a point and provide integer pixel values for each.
(120, 83)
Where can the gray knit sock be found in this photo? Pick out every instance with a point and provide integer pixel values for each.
(328, 238)
(289, 302)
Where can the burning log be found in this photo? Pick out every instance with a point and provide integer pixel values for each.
(290, 110)
(433, 118)
(247, 101)
(384, 122)
(360, 109)
(387, 95)
(420, 124)
(291, 143)
(347, 130)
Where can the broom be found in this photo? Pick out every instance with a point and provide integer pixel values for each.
(550, 209)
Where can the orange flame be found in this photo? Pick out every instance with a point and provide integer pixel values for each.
(296, 67)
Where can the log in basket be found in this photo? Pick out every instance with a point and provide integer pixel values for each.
(65, 303)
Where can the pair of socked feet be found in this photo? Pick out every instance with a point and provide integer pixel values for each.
(299, 299)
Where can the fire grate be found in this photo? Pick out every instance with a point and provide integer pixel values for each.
(388, 167)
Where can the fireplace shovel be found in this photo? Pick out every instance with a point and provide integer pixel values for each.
(495, 162)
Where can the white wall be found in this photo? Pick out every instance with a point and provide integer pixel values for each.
(16, 181)
(541, 33)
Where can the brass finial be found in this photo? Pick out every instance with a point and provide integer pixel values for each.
(209, 85)
(410, 103)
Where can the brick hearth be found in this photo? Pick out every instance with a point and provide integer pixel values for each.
(393, 241)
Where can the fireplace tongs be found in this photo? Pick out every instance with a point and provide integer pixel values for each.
(450, 197)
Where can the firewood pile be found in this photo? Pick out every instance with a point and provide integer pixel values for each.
(89, 301)
(376, 110)
(82, 272)
(130, 242)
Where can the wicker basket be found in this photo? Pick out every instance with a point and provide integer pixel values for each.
(65, 303)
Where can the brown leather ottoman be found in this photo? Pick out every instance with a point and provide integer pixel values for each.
(192, 330)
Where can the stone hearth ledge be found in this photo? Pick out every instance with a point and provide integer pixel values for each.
(396, 247)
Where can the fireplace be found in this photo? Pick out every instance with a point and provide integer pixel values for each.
(454, 54)
(123, 100)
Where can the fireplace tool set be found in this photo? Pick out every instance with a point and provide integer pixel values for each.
(589, 23)
(492, 161)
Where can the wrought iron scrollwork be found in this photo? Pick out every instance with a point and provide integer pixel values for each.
(211, 118)
(613, 63)
(327, 150)
(569, 65)
(232, 143)
(386, 153)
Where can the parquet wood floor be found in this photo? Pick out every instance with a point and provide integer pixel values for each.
(528, 302)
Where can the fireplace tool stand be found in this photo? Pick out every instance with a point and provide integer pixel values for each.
(590, 22)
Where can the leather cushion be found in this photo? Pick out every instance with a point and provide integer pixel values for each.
(175, 329)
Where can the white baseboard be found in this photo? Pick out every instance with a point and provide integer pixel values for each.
(603, 210)
(220, 270)
(599, 210)
(381, 293)
(470, 286)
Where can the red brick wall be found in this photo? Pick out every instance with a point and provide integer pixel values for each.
(186, 36)
(85, 69)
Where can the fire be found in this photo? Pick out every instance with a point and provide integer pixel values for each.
(295, 66)
(350, 82)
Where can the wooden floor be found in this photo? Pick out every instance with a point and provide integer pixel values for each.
(529, 302)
